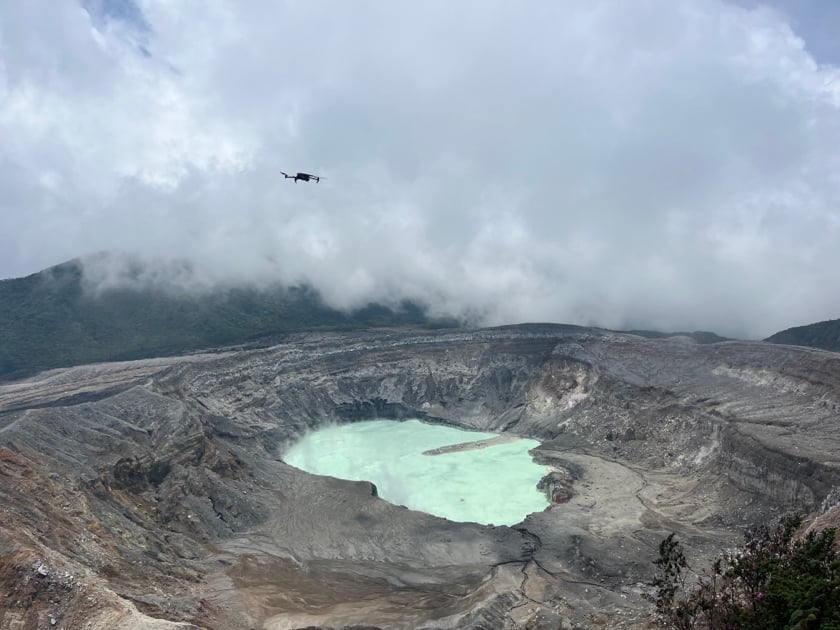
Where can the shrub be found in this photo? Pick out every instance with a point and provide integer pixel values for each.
(774, 581)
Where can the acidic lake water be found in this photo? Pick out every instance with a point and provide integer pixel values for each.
(494, 484)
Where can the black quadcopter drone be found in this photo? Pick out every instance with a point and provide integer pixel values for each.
(304, 177)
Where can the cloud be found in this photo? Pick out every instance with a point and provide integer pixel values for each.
(655, 164)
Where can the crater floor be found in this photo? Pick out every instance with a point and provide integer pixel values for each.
(153, 494)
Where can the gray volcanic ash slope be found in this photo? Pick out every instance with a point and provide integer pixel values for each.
(152, 494)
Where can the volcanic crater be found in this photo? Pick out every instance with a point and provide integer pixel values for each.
(153, 493)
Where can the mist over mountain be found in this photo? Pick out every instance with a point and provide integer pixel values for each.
(115, 306)
(658, 165)
(77, 313)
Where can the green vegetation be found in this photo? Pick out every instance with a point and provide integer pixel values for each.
(824, 335)
(48, 320)
(774, 581)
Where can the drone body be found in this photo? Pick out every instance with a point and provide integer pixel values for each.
(304, 177)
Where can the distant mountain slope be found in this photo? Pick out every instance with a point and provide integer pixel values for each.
(699, 336)
(48, 320)
(824, 335)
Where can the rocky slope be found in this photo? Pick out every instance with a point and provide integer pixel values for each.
(153, 494)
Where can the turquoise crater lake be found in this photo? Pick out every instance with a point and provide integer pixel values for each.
(491, 481)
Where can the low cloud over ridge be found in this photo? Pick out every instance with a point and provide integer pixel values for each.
(657, 164)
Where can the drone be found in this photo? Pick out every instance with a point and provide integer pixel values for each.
(304, 177)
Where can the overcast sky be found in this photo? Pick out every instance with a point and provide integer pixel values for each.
(668, 164)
